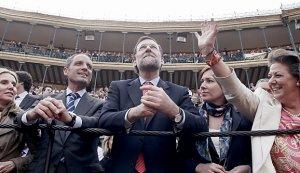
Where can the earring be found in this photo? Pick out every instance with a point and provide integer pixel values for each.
(298, 83)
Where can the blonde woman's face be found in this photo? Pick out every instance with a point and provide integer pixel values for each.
(8, 88)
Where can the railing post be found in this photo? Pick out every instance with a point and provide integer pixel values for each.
(51, 134)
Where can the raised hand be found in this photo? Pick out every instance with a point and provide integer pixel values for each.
(206, 40)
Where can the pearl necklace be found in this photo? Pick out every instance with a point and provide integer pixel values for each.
(288, 112)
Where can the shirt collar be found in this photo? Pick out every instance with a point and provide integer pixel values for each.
(80, 92)
(23, 94)
(153, 81)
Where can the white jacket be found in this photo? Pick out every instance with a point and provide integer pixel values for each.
(266, 112)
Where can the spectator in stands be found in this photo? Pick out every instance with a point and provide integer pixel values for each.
(24, 99)
(61, 48)
(49, 49)
(220, 154)
(11, 140)
(279, 110)
(47, 90)
(264, 84)
(147, 103)
(72, 152)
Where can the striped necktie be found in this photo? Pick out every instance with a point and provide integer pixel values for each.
(71, 102)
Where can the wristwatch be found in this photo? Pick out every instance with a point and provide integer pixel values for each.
(179, 117)
(73, 121)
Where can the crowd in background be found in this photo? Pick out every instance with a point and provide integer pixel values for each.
(104, 56)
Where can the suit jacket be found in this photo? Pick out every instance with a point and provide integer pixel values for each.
(78, 149)
(28, 101)
(263, 109)
(159, 152)
(239, 152)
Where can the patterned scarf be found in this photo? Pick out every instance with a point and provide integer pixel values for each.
(216, 111)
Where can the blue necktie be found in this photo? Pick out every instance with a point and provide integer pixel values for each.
(70, 107)
(71, 102)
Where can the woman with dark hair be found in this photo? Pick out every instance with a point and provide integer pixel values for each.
(279, 109)
(11, 140)
(221, 154)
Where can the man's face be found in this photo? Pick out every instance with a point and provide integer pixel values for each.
(48, 90)
(80, 71)
(148, 57)
(20, 87)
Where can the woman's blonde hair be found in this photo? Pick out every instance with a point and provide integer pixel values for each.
(5, 70)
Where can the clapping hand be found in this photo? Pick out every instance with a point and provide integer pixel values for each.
(157, 98)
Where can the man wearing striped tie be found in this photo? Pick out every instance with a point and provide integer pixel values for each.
(72, 152)
(147, 103)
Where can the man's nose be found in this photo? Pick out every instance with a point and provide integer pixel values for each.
(148, 48)
(84, 66)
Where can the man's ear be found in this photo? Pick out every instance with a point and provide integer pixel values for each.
(65, 70)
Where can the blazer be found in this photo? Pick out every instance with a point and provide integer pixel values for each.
(263, 109)
(159, 152)
(12, 142)
(28, 101)
(239, 152)
(78, 149)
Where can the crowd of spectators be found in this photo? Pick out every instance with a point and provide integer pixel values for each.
(48, 89)
(101, 56)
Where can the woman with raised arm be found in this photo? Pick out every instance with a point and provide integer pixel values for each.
(279, 109)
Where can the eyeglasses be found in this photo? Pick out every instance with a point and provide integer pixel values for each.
(145, 46)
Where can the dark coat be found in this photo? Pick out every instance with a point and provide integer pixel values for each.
(239, 152)
(159, 152)
(78, 149)
(28, 101)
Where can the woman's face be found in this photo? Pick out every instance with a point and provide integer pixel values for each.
(282, 83)
(8, 88)
(210, 90)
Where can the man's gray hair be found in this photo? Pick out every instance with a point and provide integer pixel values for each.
(70, 58)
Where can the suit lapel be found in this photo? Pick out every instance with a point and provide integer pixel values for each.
(235, 120)
(134, 91)
(162, 84)
(84, 105)
(22, 104)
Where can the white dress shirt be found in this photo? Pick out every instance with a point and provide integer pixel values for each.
(19, 98)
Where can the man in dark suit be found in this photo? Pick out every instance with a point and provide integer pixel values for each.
(147, 103)
(24, 99)
(73, 152)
